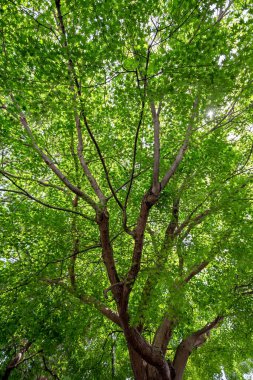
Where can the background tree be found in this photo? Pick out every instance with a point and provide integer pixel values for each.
(126, 179)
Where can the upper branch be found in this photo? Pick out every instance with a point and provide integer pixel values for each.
(53, 167)
(196, 270)
(183, 148)
(30, 196)
(191, 222)
(83, 163)
(72, 73)
(143, 103)
(156, 123)
(224, 12)
(89, 300)
(135, 151)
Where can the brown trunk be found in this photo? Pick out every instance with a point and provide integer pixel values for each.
(138, 365)
(152, 373)
(144, 371)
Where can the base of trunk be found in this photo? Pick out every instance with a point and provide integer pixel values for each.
(144, 371)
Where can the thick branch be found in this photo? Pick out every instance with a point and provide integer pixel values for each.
(148, 201)
(160, 258)
(107, 253)
(187, 345)
(150, 354)
(76, 243)
(163, 334)
(170, 231)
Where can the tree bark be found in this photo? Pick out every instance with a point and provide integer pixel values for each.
(15, 361)
(144, 371)
(138, 365)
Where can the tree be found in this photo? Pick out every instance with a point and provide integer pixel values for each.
(126, 179)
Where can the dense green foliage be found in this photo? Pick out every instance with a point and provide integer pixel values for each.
(193, 60)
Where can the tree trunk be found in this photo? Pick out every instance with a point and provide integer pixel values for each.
(138, 365)
(144, 371)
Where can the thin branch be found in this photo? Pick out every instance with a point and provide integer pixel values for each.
(143, 102)
(125, 183)
(74, 253)
(88, 300)
(224, 12)
(209, 326)
(28, 195)
(183, 148)
(53, 374)
(178, 26)
(39, 181)
(191, 222)
(83, 163)
(29, 357)
(72, 71)
(51, 165)
(156, 124)
(135, 152)
(196, 271)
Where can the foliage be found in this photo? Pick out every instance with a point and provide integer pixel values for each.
(85, 87)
